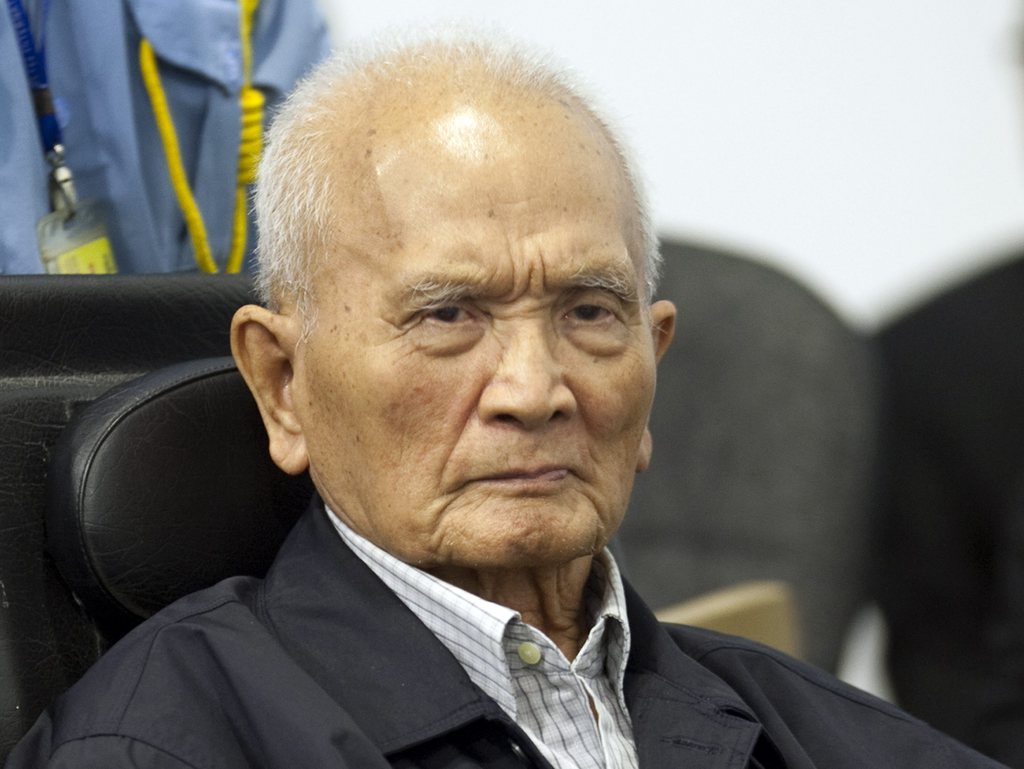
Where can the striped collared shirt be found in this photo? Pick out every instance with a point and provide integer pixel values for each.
(521, 668)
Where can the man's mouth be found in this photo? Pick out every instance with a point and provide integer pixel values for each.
(549, 474)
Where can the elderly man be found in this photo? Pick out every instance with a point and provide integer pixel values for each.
(459, 343)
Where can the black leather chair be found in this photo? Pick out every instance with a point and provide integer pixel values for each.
(162, 487)
(63, 341)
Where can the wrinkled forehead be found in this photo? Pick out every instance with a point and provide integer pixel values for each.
(491, 145)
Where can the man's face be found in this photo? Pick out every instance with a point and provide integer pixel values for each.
(475, 391)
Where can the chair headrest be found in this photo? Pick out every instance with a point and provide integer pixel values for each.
(163, 486)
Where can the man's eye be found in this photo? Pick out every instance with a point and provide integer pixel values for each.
(446, 314)
(589, 312)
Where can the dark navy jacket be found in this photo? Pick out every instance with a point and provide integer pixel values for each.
(320, 665)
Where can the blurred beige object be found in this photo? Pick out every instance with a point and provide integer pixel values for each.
(762, 611)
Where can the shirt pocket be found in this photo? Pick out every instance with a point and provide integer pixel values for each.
(199, 36)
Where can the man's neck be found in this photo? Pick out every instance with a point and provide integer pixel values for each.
(551, 599)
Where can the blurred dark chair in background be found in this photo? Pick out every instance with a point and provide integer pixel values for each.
(950, 553)
(765, 434)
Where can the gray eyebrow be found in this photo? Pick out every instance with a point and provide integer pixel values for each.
(430, 292)
(427, 291)
(621, 283)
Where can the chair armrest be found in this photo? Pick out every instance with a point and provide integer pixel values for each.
(763, 611)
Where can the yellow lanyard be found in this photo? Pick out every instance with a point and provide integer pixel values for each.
(249, 148)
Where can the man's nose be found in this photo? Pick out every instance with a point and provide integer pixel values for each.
(528, 387)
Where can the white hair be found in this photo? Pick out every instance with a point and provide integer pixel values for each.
(295, 189)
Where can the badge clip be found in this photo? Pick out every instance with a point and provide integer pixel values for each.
(73, 237)
(63, 197)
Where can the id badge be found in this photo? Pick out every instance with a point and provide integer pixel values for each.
(77, 244)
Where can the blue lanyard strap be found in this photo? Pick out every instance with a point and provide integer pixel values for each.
(35, 67)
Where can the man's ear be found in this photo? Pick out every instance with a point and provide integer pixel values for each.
(663, 328)
(265, 344)
(643, 457)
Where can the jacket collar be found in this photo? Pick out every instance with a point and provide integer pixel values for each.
(362, 644)
(372, 655)
(682, 712)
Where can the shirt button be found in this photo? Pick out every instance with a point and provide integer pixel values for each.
(529, 652)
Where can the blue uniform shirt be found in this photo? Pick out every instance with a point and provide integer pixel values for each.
(110, 135)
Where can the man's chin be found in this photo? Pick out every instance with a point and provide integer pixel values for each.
(536, 548)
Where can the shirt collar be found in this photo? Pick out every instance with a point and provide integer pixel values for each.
(473, 629)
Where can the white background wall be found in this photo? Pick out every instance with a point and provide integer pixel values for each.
(872, 148)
